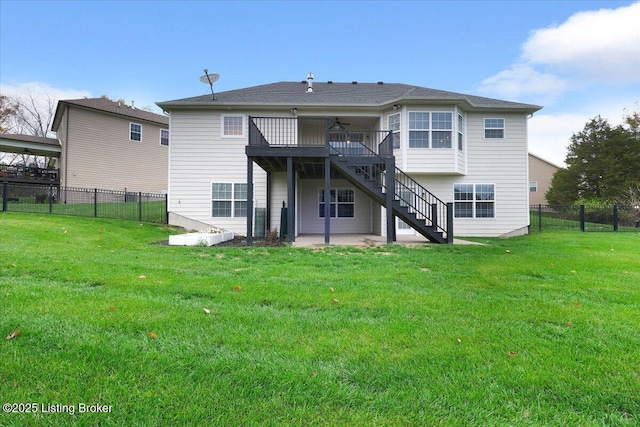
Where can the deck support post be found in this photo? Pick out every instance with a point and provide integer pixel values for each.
(249, 201)
(390, 185)
(291, 200)
(327, 200)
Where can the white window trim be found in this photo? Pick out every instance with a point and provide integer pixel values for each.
(168, 137)
(485, 128)
(232, 200)
(430, 131)
(473, 201)
(534, 185)
(244, 126)
(460, 131)
(131, 131)
(342, 218)
(395, 132)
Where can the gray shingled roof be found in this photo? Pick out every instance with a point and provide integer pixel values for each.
(341, 95)
(108, 106)
(30, 138)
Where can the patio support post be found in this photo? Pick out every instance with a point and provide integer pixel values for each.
(449, 222)
(390, 184)
(327, 200)
(291, 201)
(249, 201)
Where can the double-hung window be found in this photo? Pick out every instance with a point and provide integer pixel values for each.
(494, 128)
(233, 126)
(460, 132)
(474, 200)
(430, 129)
(341, 202)
(135, 132)
(394, 127)
(228, 200)
(164, 137)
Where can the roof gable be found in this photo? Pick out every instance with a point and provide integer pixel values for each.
(106, 105)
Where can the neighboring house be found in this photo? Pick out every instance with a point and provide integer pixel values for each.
(541, 173)
(112, 146)
(325, 150)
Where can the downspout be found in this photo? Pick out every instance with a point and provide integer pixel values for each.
(66, 151)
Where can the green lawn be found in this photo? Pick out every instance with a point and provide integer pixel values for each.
(536, 330)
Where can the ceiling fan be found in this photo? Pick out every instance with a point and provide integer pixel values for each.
(338, 125)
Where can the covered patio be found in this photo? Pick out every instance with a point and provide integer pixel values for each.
(30, 145)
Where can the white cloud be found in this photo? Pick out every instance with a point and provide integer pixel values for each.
(44, 96)
(523, 82)
(603, 45)
(550, 135)
(41, 90)
(593, 47)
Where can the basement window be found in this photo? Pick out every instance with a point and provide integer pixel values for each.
(228, 200)
(342, 203)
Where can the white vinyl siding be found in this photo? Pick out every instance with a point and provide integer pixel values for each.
(310, 221)
(199, 157)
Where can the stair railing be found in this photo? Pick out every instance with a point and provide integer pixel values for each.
(410, 193)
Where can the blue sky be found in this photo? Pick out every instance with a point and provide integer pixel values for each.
(576, 58)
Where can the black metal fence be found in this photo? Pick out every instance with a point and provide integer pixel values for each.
(584, 218)
(88, 202)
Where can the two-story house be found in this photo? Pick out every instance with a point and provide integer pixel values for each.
(112, 146)
(375, 158)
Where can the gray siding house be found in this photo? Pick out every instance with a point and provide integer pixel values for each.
(112, 146)
(376, 158)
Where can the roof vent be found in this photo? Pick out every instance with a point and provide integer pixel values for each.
(380, 83)
(330, 82)
(354, 82)
(309, 82)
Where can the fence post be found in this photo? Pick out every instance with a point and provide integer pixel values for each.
(95, 202)
(539, 217)
(166, 208)
(5, 196)
(139, 206)
(581, 217)
(50, 199)
(615, 217)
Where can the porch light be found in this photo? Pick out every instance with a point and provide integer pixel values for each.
(294, 111)
(395, 107)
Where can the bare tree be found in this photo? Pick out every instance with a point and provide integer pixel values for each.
(34, 114)
(27, 114)
(7, 114)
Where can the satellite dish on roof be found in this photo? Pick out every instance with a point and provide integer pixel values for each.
(210, 79)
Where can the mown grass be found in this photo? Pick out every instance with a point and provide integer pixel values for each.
(536, 330)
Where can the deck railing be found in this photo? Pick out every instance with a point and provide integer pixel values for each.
(17, 173)
(316, 132)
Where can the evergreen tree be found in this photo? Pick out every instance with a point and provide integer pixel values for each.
(602, 162)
